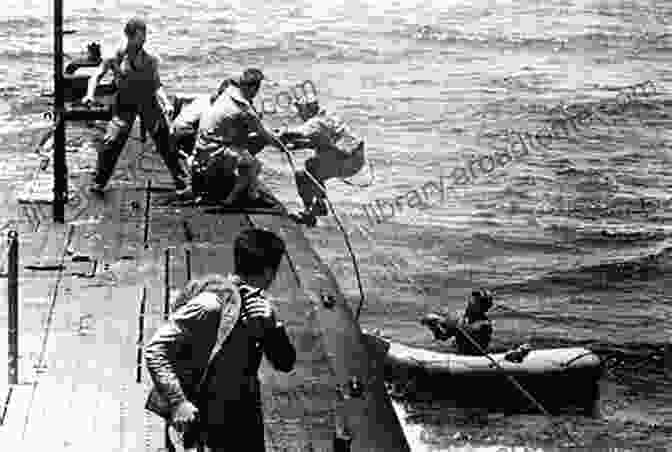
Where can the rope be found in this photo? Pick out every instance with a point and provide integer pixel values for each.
(323, 190)
(511, 379)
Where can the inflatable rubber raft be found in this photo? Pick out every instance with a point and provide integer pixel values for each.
(559, 379)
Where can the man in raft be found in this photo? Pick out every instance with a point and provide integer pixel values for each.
(338, 153)
(229, 134)
(140, 92)
(475, 323)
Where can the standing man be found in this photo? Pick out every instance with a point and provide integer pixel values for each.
(229, 134)
(140, 92)
(222, 406)
(338, 153)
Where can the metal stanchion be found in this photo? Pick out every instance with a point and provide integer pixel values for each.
(60, 165)
(148, 204)
(187, 262)
(13, 302)
(141, 334)
(166, 285)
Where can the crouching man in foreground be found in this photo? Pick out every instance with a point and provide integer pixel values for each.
(204, 361)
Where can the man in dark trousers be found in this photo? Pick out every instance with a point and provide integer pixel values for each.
(229, 134)
(139, 92)
(224, 407)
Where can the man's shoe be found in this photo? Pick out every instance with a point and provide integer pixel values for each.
(97, 189)
(304, 218)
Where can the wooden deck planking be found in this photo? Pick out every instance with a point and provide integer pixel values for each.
(101, 351)
(300, 408)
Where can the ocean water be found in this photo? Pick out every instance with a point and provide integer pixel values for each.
(573, 236)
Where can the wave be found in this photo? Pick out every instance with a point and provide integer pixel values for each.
(452, 36)
(24, 54)
(430, 34)
(518, 244)
(10, 125)
(21, 23)
(593, 276)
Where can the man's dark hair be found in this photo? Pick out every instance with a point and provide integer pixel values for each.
(255, 250)
(134, 25)
(484, 297)
(251, 77)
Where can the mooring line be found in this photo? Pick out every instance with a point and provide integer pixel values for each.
(323, 190)
(6, 405)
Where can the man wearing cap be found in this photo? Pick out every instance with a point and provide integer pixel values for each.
(224, 167)
(338, 153)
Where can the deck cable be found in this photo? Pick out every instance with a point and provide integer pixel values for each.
(323, 191)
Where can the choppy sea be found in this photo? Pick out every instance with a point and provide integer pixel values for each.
(573, 237)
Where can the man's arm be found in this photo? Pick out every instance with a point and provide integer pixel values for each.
(443, 326)
(276, 343)
(160, 92)
(304, 135)
(161, 351)
(98, 74)
(279, 349)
